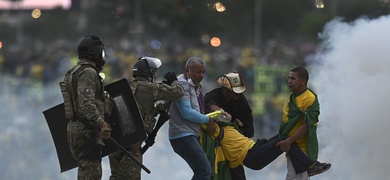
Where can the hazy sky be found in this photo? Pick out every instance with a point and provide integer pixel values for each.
(32, 4)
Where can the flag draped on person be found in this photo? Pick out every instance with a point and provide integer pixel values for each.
(214, 153)
(310, 116)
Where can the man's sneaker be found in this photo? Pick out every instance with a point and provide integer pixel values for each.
(318, 168)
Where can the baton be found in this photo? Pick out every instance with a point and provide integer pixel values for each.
(128, 154)
(164, 116)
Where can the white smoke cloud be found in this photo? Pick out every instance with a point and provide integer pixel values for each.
(350, 80)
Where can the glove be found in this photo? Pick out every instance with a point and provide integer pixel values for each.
(170, 76)
(105, 131)
(108, 104)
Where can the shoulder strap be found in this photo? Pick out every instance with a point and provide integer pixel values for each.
(73, 73)
(69, 80)
(135, 84)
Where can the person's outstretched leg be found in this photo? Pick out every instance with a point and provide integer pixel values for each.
(261, 155)
(302, 162)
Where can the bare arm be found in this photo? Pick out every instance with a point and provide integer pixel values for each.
(300, 133)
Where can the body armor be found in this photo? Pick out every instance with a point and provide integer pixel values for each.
(69, 93)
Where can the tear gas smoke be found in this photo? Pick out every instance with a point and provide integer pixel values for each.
(349, 76)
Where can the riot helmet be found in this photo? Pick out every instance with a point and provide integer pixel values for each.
(146, 67)
(91, 47)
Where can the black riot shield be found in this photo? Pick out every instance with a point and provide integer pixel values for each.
(125, 119)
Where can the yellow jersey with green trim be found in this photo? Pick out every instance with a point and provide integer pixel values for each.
(303, 101)
(235, 146)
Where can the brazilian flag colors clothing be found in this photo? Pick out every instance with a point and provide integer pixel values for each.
(227, 148)
(235, 146)
(297, 110)
(215, 155)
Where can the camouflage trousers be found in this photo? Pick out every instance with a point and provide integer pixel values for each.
(123, 167)
(84, 144)
(89, 170)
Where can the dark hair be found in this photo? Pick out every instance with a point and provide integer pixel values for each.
(302, 73)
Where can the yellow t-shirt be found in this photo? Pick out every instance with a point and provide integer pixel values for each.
(303, 101)
(235, 146)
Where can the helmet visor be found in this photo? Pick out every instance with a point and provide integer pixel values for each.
(154, 63)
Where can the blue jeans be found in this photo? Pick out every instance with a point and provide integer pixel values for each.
(190, 150)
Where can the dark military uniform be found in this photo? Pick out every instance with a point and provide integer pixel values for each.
(83, 130)
(146, 95)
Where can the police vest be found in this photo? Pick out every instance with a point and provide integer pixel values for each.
(69, 91)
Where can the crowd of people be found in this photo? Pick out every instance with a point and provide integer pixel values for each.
(49, 64)
(37, 64)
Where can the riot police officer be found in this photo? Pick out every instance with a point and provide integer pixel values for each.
(86, 108)
(146, 92)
